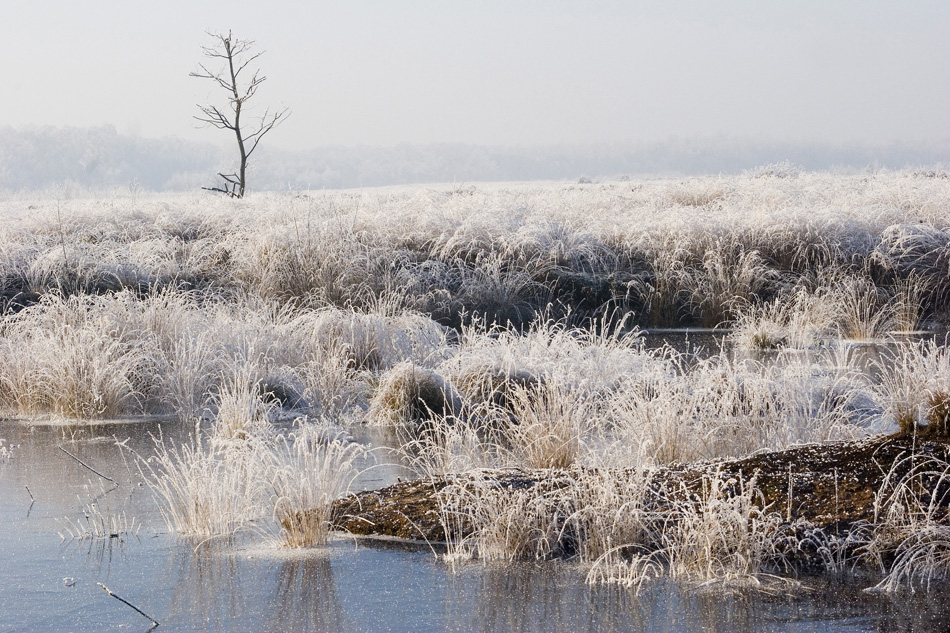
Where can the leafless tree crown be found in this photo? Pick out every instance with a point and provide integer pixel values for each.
(229, 58)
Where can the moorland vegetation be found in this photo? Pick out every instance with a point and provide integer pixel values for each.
(500, 326)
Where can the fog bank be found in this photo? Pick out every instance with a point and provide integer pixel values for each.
(97, 158)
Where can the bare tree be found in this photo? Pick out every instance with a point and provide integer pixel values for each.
(233, 56)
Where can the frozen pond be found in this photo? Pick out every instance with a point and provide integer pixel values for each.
(48, 583)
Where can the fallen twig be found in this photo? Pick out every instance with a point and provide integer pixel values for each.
(32, 501)
(126, 602)
(82, 463)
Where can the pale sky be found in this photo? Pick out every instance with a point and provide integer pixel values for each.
(505, 72)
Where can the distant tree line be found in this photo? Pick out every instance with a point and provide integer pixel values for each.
(35, 158)
(100, 158)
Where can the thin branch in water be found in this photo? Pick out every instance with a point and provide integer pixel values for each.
(32, 501)
(82, 463)
(126, 602)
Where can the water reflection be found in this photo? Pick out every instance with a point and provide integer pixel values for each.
(208, 590)
(862, 355)
(57, 479)
(98, 554)
(222, 586)
(495, 599)
(534, 597)
(305, 597)
(489, 599)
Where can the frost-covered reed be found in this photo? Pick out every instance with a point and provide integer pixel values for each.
(313, 466)
(99, 523)
(209, 487)
(911, 542)
(617, 525)
(219, 482)
(915, 386)
(674, 252)
(491, 326)
(555, 397)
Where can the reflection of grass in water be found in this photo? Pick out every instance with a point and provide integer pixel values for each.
(241, 580)
(306, 597)
(208, 584)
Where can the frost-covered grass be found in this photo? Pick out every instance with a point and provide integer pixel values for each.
(100, 523)
(222, 481)
(613, 524)
(912, 541)
(555, 397)
(313, 466)
(95, 356)
(915, 386)
(674, 252)
(210, 486)
(491, 326)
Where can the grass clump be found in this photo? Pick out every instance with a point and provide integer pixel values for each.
(614, 523)
(914, 387)
(728, 277)
(408, 394)
(241, 472)
(551, 422)
(911, 538)
(70, 358)
(210, 487)
(509, 524)
(98, 523)
(718, 534)
(313, 466)
(243, 408)
(721, 533)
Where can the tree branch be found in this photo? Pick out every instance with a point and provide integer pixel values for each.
(213, 116)
(249, 60)
(265, 128)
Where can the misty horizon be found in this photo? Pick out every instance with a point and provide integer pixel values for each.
(101, 157)
(418, 91)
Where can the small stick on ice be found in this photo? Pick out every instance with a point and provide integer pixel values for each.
(82, 463)
(126, 602)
